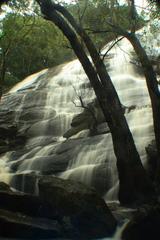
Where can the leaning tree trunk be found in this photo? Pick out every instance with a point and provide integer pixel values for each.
(151, 79)
(154, 93)
(134, 183)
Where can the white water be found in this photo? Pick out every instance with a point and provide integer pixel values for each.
(93, 158)
(132, 91)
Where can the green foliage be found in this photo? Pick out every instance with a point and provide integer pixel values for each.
(94, 16)
(29, 44)
(154, 8)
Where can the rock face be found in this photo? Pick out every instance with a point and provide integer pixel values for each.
(144, 225)
(63, 209)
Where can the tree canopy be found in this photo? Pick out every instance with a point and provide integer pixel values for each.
(29, 44)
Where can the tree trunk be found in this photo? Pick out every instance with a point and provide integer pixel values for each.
(134, 183)
(2, 75)
(154, 93)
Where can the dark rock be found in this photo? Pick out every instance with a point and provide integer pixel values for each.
(63, 209)
(4, 148)
(87, 212)
(4, 187)
(49, 127)
(27, 204)
(25, 182)
(152, 156)
(6, 116)
(89, 119)
(7, 131)
(19, 226)
(144, 225)
(10, 101)
(40, 141)
(36, 98)
(35, 114)
(47, 164)
(9, 135)
(122, 214)
(15, 155)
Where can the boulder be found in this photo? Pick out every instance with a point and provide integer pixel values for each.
(63, 209)
(25, 203)
(19, 226)
(87, 212)
(24, 216)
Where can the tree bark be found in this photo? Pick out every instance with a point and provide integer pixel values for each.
(2, 74)
(153, 90)
(134, 182)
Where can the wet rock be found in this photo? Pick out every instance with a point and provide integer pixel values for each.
(7, 131)
(4, 187)
(63, 209)
(87, 212)
(6, 116)
(74, 130)
(10, 138)
(11, 102)
(144, 225)
(3, 147)
(35, 99)
(19, 226)
(88, 119)
(47, 164)
(35, 114)
(25, 182)
(49, 127)
(27, 204)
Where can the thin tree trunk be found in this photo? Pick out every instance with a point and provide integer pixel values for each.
(2, 75)
(152, 85)
(134, 183)
(150, 76)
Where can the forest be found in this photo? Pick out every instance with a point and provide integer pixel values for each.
(79, 119)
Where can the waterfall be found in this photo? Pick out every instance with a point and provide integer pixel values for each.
(44, 106)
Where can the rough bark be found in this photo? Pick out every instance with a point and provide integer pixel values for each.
(134, 183)
(152, 85)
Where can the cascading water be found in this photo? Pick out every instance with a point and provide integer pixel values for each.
(44, 106)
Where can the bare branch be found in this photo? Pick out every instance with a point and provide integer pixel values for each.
(118, 40)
